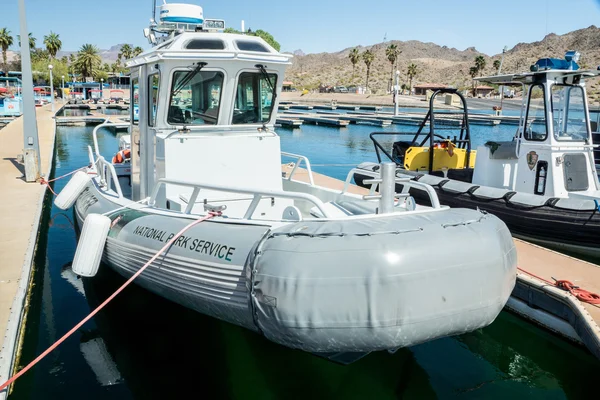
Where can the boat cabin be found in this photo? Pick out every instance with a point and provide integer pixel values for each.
(552, 153)
(203, 110)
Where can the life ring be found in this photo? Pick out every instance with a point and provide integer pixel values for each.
(122, 156)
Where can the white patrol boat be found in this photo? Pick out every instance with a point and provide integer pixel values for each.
(543, 184)
(307, 261)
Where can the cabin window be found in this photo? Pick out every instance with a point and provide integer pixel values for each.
(195, 98)
(135, 101)
(205, 44)
(254, 98)
(251, 45)
(153, 84)
(535, 125)
(568, 113)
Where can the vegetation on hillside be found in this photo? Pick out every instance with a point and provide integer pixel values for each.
(439, 64)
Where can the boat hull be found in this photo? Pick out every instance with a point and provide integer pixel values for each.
(563, 224)
(352, 285)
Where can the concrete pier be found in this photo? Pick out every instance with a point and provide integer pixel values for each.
(21, 204)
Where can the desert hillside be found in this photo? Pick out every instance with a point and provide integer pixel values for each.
(439, 64)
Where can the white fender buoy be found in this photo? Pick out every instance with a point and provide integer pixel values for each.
(67, 197)
(91, 245)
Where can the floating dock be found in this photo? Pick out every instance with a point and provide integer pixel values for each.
(323, 121)
(403, 118)
(538, 299)
(289, 122)
(95, 118)
(22, 203)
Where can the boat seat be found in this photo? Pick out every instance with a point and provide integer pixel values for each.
(502, 150)
(345, 208)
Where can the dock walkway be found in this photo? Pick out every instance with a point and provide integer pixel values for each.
(21, 204)
(551, 307)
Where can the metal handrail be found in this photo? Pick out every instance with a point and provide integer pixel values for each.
(433, 197)
(257, 194)
(102, 125)
(379, 147)
(299, 159)
(107, 179)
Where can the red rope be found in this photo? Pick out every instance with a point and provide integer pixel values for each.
(43, 180)
(108, 300)
(581, 294)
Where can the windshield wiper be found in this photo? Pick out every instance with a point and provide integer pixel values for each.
(187, 78)
(265, 75)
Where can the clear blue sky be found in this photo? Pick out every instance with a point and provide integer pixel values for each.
(316, 26)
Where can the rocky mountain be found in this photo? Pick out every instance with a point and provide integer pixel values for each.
(438, 64)
(108, 56)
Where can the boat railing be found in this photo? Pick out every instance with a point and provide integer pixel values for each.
(299, 159)
(105, 124)
(106, 172)
(379, 148)
(257, 195)
(405, 182)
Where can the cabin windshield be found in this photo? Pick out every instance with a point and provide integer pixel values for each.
(195, 102)
(254, 98)
(568, 113)
(536, 115)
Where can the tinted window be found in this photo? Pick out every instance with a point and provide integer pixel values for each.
(247, 45)
(205, 44)
(195, 100)
(535, 125)
(254, 98)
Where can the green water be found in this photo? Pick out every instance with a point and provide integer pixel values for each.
(156, 349)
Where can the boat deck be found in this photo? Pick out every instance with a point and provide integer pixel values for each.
(22, 203)
(301, 175)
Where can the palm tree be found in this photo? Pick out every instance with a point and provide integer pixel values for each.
(368, 56)
(6, 40)
(354, 57)
(88, 60)
(497, 66)
(32, 41)
(473, 71)
(137, 51)
(126, 51)
(52, 43)
(392, 54)
(480, 63)
(411, 72)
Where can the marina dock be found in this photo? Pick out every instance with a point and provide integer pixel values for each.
(22, 203)
(536, 298)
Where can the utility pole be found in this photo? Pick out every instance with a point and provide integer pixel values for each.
(396, 87)
(500, 69)
(51, 88)
(31, 147)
